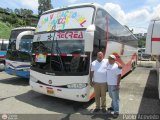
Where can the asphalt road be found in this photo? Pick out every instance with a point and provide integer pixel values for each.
(138, 95)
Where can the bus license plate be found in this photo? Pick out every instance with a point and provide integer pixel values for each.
(50, 91)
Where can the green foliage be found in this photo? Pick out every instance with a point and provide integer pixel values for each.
(17, 17)
(5, 30)
(142, 42)
(14, 18)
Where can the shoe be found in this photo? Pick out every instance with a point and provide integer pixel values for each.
(104, 110)
(115, 114)
(110, 109)
(96, 110)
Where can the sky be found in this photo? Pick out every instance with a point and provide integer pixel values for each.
(135, 14)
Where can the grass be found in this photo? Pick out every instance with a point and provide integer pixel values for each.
(4, 30)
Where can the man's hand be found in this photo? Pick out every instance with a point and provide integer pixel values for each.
(91, 83)
(119, 65)
(117, 87)
(118, 82)
(91, 76)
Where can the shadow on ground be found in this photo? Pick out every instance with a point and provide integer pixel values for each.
(52, 103)
(15, 81)
(150, 103)
(66, 108)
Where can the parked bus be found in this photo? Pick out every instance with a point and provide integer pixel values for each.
(153, 45)
(65, 43)
(3, 51)
(18, 56)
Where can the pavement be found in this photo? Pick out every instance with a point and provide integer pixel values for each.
(138, 95)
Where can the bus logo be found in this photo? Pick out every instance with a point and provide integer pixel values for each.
(50, 81)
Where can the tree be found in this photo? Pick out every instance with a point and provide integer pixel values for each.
(141, 42)
(44, 5)
(25, 12)
(9, 10)
(17, 11)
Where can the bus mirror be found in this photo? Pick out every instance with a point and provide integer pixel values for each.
(89, 38)
(21, 35)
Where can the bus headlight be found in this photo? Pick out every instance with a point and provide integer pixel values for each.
(77, 85)
(33, 79)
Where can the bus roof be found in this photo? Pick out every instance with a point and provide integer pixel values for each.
(85, 4)
(27, 27)
(72, 6)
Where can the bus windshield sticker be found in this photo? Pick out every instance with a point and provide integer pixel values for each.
(70, 35)
(41, 58)
(66, 19)
(65, 35)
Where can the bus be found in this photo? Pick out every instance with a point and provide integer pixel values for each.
(18, 56)
(153, 45)
(65, 43)
(3, 51)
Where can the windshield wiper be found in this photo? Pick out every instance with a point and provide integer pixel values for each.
(58, 50)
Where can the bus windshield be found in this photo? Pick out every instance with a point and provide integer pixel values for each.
(64, 47)
(65, 54)
(24, 52)
(26, 43)
(3, 45)
(13, 37)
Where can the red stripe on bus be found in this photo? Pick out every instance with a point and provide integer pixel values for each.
(92, 95)
(49, 88)
(106, 34)
(156, 39)
(75, 55)
(63, 54)
(2, 57)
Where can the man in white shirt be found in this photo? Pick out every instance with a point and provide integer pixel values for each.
(113, 81)
(98, 81)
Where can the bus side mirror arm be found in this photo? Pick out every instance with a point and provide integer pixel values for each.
(17, 44)
(89, 38)
(19, 37)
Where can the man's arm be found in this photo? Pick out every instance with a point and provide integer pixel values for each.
(119, 65)
(119, 80)
(91, 76)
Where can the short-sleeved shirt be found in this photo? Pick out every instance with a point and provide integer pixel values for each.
(100, 73)
(112, 73)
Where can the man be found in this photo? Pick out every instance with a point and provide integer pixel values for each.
(113, 81)
(98, 81)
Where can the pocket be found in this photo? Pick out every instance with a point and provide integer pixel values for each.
(114, 88)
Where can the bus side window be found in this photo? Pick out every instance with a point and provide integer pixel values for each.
(100, 33)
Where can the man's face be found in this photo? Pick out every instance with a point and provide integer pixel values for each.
(100, 56)
(111, 60)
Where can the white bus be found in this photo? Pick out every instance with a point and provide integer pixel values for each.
(18, 56)
(153, 45)
(65, 43)
(3, 51)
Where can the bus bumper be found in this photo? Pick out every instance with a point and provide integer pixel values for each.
(23, 74)
(79, 95)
